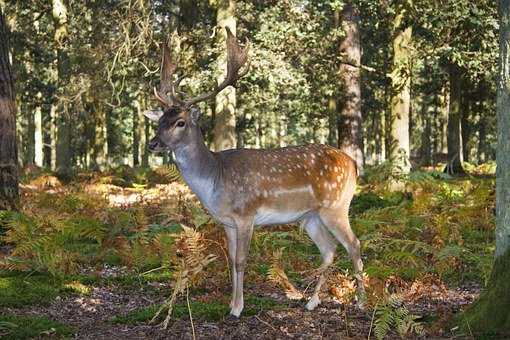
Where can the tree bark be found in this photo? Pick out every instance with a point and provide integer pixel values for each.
(224, 132)
(63, 133)
(38, 136)
(401, 94)
(333, 122)
(455, 154)
(490, 314)
(349, 123)
(503, 146)
(465, 126)
(426, 143)
(443, 120)
(482, 140)
(9, 192)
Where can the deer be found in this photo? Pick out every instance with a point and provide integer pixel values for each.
(243, 188)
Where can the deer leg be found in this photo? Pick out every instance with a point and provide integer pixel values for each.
(327, 247)
(337, 221)
(232, 245)
(244, 233)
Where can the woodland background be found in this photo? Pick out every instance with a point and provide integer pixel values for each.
(104, 236)
(85, 73)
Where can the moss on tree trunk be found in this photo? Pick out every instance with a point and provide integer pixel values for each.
(489, 315)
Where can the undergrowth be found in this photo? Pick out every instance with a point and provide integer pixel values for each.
(435, 228)
(13, 327)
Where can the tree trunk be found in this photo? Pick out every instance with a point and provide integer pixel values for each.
(100, 146)
(136, 136)
(426, 143)
(482, 140)
(224, 132)
(503, 147)
(333, 122)
(464, 122)
(9, 192)
(27, 145)
(63, 133)
(455, 154)
(38, 136)
(401, 95)
(349, 122)
(491, 313)
(445, 112)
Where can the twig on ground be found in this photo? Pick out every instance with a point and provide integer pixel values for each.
(189, 311)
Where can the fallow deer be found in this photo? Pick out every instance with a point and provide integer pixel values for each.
(243, 188)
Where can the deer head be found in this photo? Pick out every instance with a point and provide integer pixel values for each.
(178, 123)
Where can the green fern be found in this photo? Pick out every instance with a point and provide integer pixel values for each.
(392, 314)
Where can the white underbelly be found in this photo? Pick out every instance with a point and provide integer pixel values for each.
(266, 216)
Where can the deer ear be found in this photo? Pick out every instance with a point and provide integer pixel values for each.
(194, 113)
(153, 115)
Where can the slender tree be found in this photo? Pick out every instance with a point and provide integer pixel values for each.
(491, 313)
(9, 194)
(224, 134)
(401, 90)
(349, 123)
(454, 137)
(61, 114)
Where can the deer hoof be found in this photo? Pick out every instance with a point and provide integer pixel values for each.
(236, 312)
(313, 303)
(232, 318)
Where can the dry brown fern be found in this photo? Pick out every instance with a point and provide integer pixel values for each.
(276, 274)
(190, 264)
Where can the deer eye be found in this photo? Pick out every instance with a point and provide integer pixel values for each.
(181, 123)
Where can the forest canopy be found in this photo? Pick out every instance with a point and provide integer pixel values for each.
(85, 73)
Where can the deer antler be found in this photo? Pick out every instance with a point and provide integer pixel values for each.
(236, 58)
(167, 84)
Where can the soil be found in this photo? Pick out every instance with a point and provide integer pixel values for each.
(91, 317)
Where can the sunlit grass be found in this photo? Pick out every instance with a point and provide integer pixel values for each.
(207, 311)
(13, 327)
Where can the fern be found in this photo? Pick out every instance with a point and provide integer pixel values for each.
(189, 267)
(276, 275)
(393, 314)
(49, 243)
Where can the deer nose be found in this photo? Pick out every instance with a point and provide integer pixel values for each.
(154, 145)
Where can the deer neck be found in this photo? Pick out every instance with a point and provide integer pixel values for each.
(198, 166)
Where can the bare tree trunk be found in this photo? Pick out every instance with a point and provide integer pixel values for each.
(38, 136)
(333, 122)
(490, 314)
(455, 154)
(9, 192)
(224, 132)
(445, 109)
(503, 147)
(63, 134)
(464, 122)
(349, 123)
(100, 146)
(401, 94)
(426, 143)
(482, 139)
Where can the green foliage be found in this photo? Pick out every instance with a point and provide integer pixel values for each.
(20, 290)
(446, 228)
(207, 311)
(393, 315)
(55, 244)
(30, 327)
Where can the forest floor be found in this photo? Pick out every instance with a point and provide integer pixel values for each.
(123, 312)
(95, 258)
